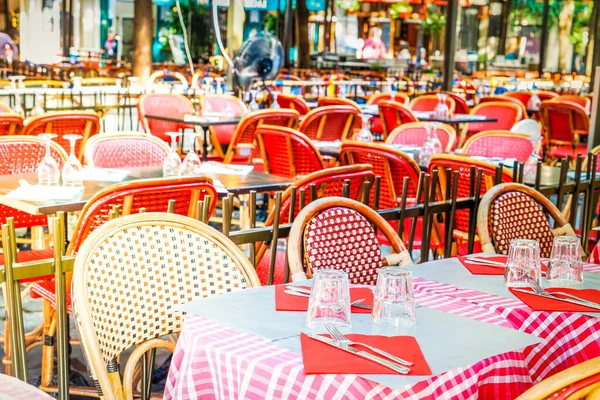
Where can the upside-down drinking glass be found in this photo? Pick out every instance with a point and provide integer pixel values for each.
(71, 170)
(329, 301)
(394, 300)
(191, 162)
(365, 135)
(172, 161)
(565, 267)
(48, 171)
(523, 263)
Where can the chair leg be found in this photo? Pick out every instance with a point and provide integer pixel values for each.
(38, 241)
(48, 346)
(7, 359)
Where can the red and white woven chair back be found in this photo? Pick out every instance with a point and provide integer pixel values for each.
(515, 215)
(429, 102)
(394, 114)
(329, 123)
(522, 97)
(125, 150)
(501, 144)
(163, 105)
(460, 104)
(343, 239)
(415, 134)
(507, 113)
(293, 102)
(579, 100)
(399, 98)
(562, 120)
(10, 124)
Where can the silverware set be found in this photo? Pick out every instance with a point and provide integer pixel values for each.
(562, 296)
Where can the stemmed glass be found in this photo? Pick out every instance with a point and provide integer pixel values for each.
(48, 170)
(191, 162)
(172, 161)
(435, 141)
(275, 104)
(365, 135)
(71, 171)
(394, 92)
(253, 104)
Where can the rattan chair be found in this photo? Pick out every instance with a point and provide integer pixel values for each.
(401, 98)
(244, 137)
(315, 237)
(415, 134)
(327, 183)
(503, 144)
(460, 104)
(564, 124)
(10, 124)
(507, 113)
(394, 114)
(223, 103)
(84, 123)
(293, 102)
(515, 211)
(125, 150)
(5, 108)
(429, 102)
(168, 77)
(287, 152)
(505, 99)
(169, 260)
(579, 100)
(330, 123)
(338, 101)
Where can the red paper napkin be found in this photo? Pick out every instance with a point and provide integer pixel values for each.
(538, 303)
(289, 302)
(481, 269)
(321, 358)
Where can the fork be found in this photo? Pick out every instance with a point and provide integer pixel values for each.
(338, 337)
(300, 294)
(539, 290)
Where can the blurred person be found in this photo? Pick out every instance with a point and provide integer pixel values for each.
(110, 46)
(374, 46)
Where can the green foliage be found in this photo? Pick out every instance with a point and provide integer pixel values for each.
(271, 23)
(200, 33)
(349, 6)
(434, 24)
(398, 9)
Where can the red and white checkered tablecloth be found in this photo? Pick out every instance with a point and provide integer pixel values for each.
(216, 362)
(13, 389)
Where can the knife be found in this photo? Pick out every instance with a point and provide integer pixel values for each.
(302, 290)
(381, 361)
(580, 303)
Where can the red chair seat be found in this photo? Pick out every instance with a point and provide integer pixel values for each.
(224, 133)
(47, 290)
(567, 150)
(262, 269)
(32, 255)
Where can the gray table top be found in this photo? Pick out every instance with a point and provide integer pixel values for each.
(448, 341)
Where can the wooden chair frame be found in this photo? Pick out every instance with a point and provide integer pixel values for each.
(320, 113)
(295, 249)
(563, 226)
(161, 74)
(15, 122)
(5, 108)
(447, 128)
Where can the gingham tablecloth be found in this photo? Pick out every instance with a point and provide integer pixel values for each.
(14, 389)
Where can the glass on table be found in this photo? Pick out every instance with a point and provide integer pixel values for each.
(172, 161)
(523, 263)
(565, 267)
(48, 171)
(435, 141)
(329, 301)
(394, 300)
(364, 135)
(71, 170)
(191, 162)
(275, 104)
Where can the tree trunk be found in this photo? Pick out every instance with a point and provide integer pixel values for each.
(565, 23)
(303, 46)
(143, 32)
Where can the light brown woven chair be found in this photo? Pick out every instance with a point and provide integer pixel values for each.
(351, 222)
(167, 260)
(515, 211)
(581, 381)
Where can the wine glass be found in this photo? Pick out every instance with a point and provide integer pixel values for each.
(253, 104)
(71, 170)
(172, 161)
(275, 104)
(48, 170)
(191, 162)
(365, 135)
(435, 141)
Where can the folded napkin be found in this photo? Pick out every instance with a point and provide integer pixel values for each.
(482, 269)
(321, 358)
(321, 144)
(103, 174)
(41, 193)
(289, 302)
(538, 303)
(211, 167)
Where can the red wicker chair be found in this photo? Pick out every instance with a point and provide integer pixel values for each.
(428, 103)
(505, 99)
(330, 123)
(579, 100)
(293, 102)
(287, 152)
(503, 144)
(415, 134)
(86, 124)
(328, 182)
(462, 164)
(547, 95)
(460, 104)
(508, 113)
(125, 150)
(245, 132)
(5, 108)
(10, 124)
(220, 103)
(338, 101)
(564, 123)
(522, 97)
(342, 219)
(393, 114)
(167, 77)
(153, 195)
(498, 224)
(401, 98)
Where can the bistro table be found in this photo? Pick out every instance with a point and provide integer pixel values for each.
(237, 346)
(236, 184)
(204, 122)
(13, 389)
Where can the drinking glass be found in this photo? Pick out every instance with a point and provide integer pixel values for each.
(172, 161)
(275, 104)
(435, 141)
(191, 162)
(329, 301)
(565, 266)
(71, 170)
(253, 104)
(48, 170)
(394, 92)
(394, 300)
(523, 263)
(365, 135)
